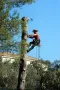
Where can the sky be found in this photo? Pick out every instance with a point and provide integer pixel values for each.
(46, 19)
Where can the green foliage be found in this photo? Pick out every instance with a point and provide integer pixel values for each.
(56, 65)
(23, 47)
(10, 25)
(9, 74)
(22, 2)
(27, 1)
(40, 78)
(1, 5)
(31, 78)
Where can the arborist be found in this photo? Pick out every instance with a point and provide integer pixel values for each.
(36, 40)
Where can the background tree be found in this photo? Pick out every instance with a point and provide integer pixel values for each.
(10, 25)
(38, 77)
(9, 74)
(56, 65)
(41, 76)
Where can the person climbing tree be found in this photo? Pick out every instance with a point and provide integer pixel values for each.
(36, 40)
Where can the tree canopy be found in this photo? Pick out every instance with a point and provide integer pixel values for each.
(10, 24)
(38, 77)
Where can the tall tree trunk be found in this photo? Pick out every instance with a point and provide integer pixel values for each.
(23, 66)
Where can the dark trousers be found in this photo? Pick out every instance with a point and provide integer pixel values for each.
(33, 44)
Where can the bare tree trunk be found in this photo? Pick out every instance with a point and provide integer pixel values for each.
(23, 66)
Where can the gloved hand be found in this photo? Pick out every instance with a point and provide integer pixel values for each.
(30, 36)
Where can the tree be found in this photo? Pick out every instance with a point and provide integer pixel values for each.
(39, 78)
(56, 65)
(8, 74)
(10, 25)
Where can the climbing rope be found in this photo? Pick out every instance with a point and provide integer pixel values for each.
(38, 52)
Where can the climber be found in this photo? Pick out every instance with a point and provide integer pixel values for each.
(36, 40)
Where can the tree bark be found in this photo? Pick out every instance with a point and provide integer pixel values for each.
(23, 66)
